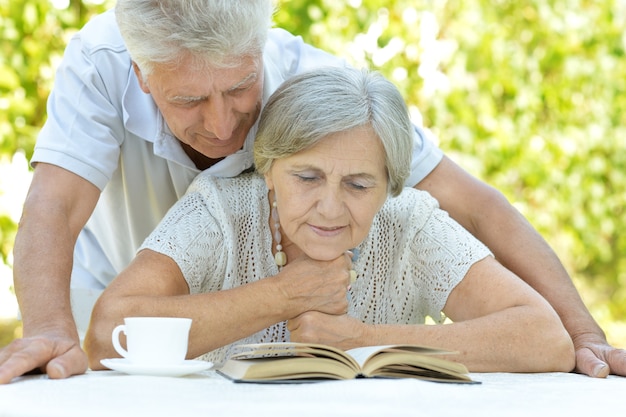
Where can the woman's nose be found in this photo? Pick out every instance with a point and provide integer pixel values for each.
(330, 203)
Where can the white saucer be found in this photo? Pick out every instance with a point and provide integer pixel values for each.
(185, 368)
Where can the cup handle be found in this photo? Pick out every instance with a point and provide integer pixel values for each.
(115, 338)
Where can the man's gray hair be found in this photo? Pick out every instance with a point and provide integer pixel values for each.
(215, 33)
(313, 105)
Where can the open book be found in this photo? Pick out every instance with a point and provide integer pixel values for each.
(298, 362)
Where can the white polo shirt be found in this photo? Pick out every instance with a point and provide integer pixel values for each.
(104, 128)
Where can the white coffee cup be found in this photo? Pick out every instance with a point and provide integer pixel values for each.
(153, 341)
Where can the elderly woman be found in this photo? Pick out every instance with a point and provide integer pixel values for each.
(269, 257)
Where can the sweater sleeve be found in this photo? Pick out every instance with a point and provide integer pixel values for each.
(440, 252)
(192, 235)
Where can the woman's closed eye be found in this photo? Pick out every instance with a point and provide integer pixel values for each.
(307, 177)
(357, 186)
(361, 182)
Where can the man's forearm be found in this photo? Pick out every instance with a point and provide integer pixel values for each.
(43, 256)
(56, 208)
(522, 250)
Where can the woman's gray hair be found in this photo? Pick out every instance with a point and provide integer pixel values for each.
(215, 33)
(313, 105)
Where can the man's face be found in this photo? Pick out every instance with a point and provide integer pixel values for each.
(211, 110)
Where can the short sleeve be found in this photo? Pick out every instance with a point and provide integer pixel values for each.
(191, 235)
(84, 128)
(426, 156)
(441, 253)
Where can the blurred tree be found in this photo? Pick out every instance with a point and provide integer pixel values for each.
(34, 34)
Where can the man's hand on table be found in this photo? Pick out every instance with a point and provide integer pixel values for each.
(596, 358)
(59, 356)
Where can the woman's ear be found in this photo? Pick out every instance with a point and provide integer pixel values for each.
(142, 82)
(268, 180)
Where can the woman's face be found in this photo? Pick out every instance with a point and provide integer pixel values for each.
(328, 195)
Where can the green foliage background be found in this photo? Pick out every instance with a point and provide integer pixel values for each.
(529, 96)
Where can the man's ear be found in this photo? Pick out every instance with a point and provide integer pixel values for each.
(142, 82)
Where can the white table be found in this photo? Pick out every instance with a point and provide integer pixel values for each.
(109, 393)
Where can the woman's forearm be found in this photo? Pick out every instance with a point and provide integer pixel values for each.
(519, 339)
(153, 285)
(218, 318)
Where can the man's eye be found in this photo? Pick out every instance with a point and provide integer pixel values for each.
(240, 90)
(188, 103)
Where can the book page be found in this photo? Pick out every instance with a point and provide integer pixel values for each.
(362, 354)
(287, 349)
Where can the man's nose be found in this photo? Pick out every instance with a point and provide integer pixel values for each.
(219, 118)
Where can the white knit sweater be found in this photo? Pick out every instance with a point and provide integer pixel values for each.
(414, 255)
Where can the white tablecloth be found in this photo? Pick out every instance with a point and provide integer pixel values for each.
(109, 393)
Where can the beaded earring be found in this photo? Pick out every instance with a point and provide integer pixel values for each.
(355, 257)
(281, 257)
